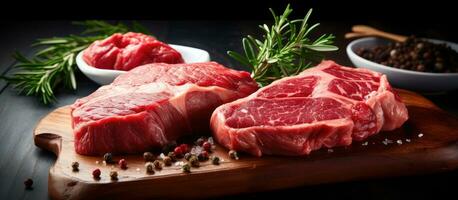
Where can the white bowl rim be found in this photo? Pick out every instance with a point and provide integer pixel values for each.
(86, 68)
(353, 54)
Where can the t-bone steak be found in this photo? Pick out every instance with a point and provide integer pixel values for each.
(325, 106)
(153, 105)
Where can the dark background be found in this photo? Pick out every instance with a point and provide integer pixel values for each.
(424, 18)
(396, 10)
(216, 26)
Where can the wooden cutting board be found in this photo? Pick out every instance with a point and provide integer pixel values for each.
(433, 147)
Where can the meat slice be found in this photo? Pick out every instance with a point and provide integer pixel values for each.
(325, 106)
(153, 105)
(129, 50)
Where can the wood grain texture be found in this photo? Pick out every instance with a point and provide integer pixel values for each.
(436, 150)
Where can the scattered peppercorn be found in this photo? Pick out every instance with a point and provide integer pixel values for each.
(148, 156)
(186, 168)
(233, 155)
(178, 152)
(185, 148)
(28, 183)
(96, 173)
(172, 156)
(187, 156)
(194, 161)
(149, 168)
(75, 166)
(122, 164)
(114, 175)
(215, 160)
(167, 161)
(207, 146)
(200, 141)
(108, 158)
(157, 164)
(203, 156)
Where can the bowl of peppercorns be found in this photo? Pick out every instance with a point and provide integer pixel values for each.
(423, 65)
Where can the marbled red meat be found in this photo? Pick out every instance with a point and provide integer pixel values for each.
(325, 106)
(153, 105)
(130, 50)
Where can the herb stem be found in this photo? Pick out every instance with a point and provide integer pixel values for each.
(54, 64)
(285, 49)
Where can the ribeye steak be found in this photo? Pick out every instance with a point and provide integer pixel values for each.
(154, 104)
(325, 106)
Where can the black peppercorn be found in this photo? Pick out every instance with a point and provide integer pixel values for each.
(167, 161)
(75, 166)
(215, 160)
(419, 46)
(186, 168)
(393, 53)
(149, 168)
(28, 183)
(233, 155)
(194, 161)
(157, 164)
(108, 158)
(420, 67)
(438, 66)
(414, 54)
(148, 157)
(114, 175)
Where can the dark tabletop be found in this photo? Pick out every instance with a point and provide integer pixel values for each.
(20, 159)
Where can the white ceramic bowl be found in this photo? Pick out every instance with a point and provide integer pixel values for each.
(106, 76)
(400, 78)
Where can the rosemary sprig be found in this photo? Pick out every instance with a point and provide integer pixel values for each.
(54, 64)
(285, 50)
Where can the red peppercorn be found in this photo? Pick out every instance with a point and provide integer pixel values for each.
(28, 183)
(96, 173)
(178, 151)
(122, 164)
(203, 156)
(185, 148)
(207, 146)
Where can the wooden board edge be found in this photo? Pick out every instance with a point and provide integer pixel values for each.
(252, 179)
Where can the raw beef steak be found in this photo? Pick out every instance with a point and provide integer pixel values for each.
(328, 105)
(153, 105)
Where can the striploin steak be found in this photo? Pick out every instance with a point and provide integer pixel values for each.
(153, 105)
(325, 106)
